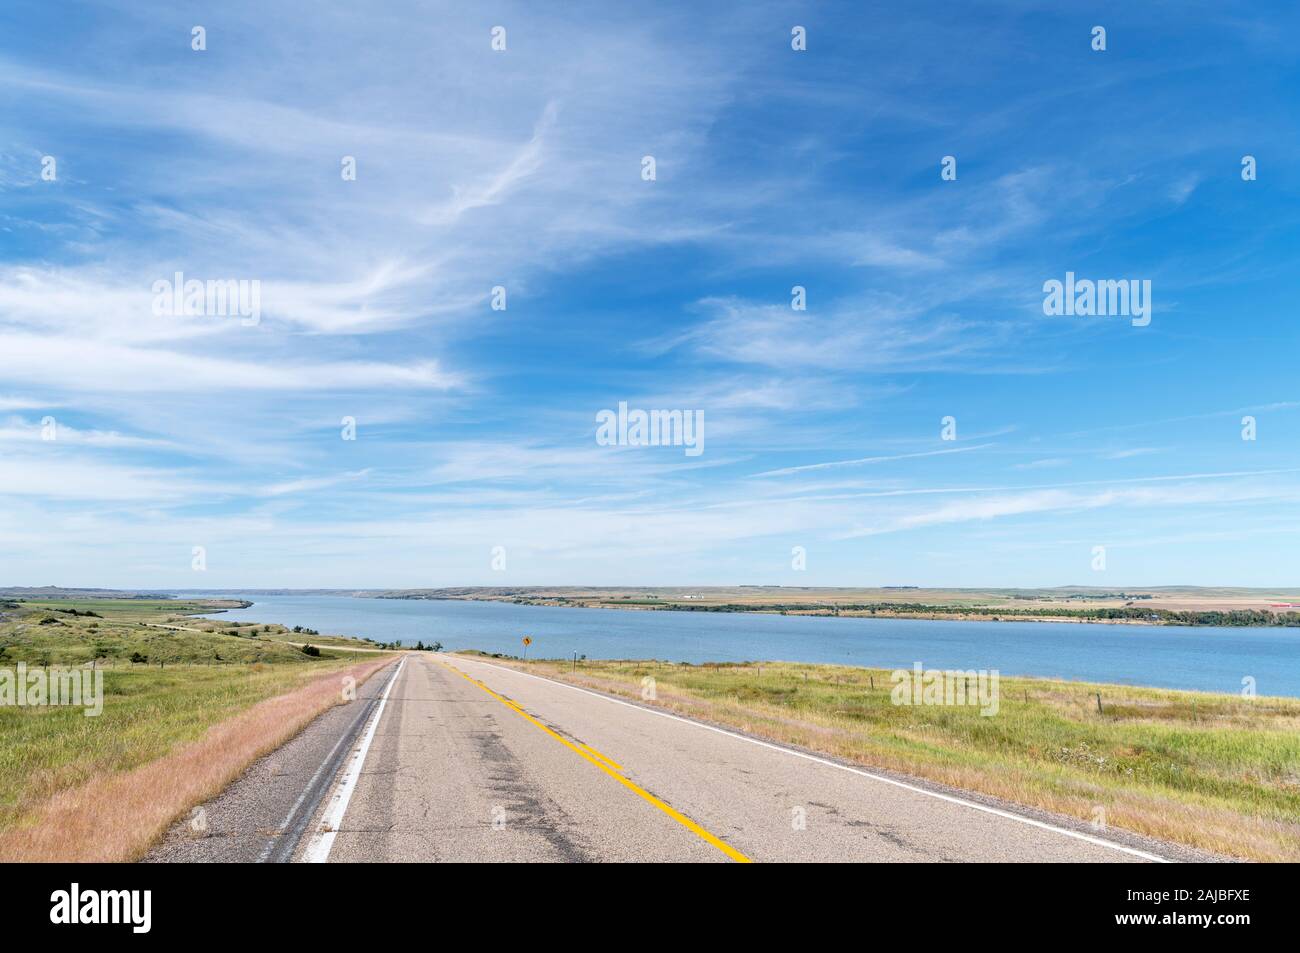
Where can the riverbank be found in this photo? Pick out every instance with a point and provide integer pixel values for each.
(1217, 772)
(1182, 606)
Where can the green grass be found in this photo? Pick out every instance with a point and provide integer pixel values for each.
(147, 713)
(1215, 771)
(280, 634)
(196, 676)
(47, 632)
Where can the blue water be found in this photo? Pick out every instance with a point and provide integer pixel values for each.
(1206, 659)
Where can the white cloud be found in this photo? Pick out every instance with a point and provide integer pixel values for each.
(1061, 501)
(862, 461)
(18, 430)
(876, 333)
(104, 367)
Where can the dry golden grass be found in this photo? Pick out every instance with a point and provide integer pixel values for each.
(116, 817)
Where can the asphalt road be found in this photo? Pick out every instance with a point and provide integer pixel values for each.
(455, 759)
(263, 816)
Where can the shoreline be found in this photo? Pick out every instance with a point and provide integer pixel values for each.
(1089, 686)
(859, 611)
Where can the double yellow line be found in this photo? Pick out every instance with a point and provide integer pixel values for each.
(612, 769)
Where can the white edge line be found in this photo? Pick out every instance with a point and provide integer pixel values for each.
(284, 825)
(844, 767)
(322, 839)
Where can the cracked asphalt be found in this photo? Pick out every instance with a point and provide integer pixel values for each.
(476, 762)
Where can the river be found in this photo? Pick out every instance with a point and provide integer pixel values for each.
(1199, 658)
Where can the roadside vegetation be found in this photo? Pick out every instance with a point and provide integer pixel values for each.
(1213, 771)
(170, 682)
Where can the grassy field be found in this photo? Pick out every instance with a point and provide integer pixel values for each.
(161, 632)
(196, 676)
(148, 713)
(1218, 772)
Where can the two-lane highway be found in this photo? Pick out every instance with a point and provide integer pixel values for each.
(471, 761)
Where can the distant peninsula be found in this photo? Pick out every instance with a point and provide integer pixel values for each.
(1163, 605)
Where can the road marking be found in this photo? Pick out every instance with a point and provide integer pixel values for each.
(1100, 842)
(273, 846)
(600, 761)
(322, 840)
(608, 760)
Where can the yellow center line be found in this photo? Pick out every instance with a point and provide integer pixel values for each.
(600, 761)
(603, 757)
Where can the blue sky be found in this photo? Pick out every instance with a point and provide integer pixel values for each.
(522, 168)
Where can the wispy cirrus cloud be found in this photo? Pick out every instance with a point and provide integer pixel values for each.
(118, 368)
(984, 508)
(522, 169)
(864, 461)
(877, 333)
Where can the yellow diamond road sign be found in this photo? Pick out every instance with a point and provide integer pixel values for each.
(527, 640)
